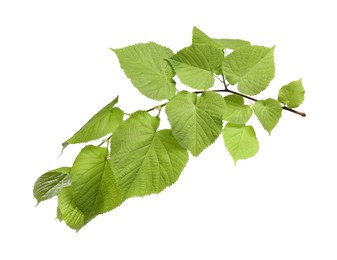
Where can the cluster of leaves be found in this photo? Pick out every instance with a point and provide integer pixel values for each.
(140, 159)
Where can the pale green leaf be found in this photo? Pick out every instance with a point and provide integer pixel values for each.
(235, 110)
(93, 182)
(196, 121)
(240, 141)
(199, 37)
(146, 66)
(196, 64)
(268, 112)
(145, 160)
(71, 215)
(292, 95)
(252, 67)
(49, 184)
(102, 123)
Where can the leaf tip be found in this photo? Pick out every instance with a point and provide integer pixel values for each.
(64, 146)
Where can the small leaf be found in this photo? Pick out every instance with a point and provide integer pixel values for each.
(235, 111)
(292, 95)
(196, 121)
(268, 112)
(71, 215)
(102, 123)
(49, 184)
(199, 37)
(93, 183)
(240, 141)
(145, 65)
(196, 64)
(252, 67)
(145, 160)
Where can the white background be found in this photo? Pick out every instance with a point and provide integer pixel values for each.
(56, 71)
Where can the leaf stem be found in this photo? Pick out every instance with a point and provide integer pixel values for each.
(105, 141)
(156, 107)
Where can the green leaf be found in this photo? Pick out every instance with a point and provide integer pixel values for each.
(196, 121)
(49, 184)
(71, 215)
(235, 111)
(93, 182)
(196, 64)
(145, 65)
(240, 141)
(199, 37)
(292, 95)
(145, 160)
(252, 67)
(268, 112)
(102, 123)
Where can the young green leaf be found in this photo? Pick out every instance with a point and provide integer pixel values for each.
(102, 123)
(145, 160)
(235, 111)
(145, 65)
(240, 141)
(268, 112)
(252, 67)
(93, 183)
(49, 184)
(71, 215)
(196, 64)
(292, 95)
(199, 37)
(196, 121)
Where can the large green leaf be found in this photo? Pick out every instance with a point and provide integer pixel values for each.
(102, 123)
(93, 182)
(145, 160)
(196, 121)
(49, 184)
(235, 110)
(149, 72)
(199, 37)
(292, 95)
(252, 67)
(196, 64)
(268, 112)
(240, 141)
(68, 211)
